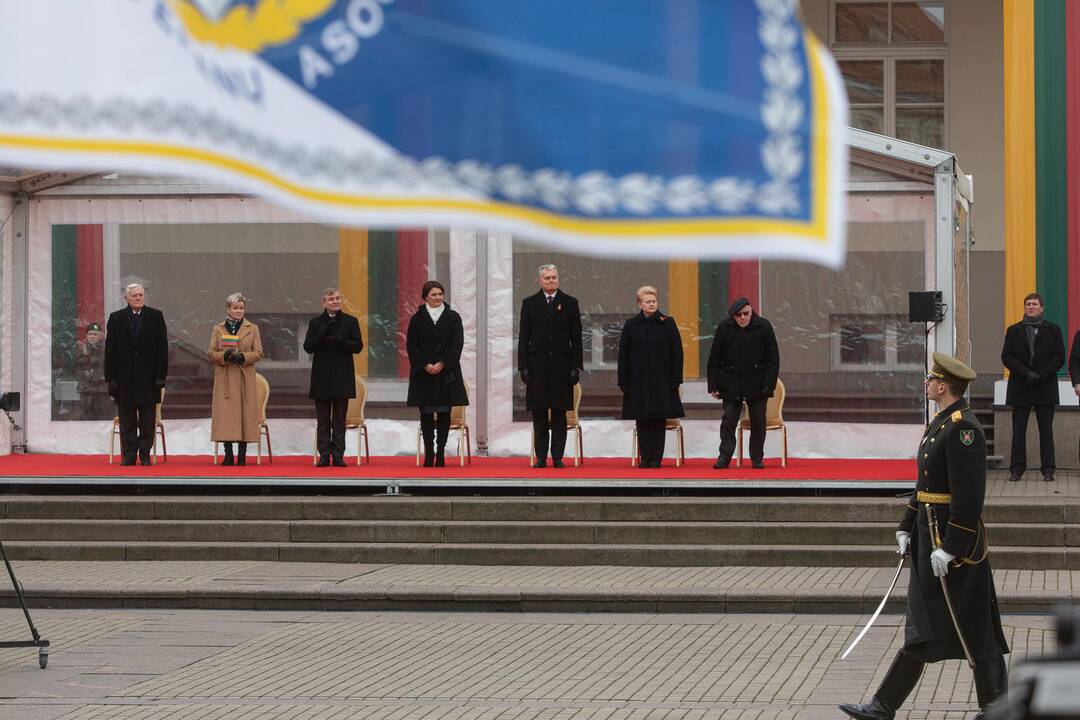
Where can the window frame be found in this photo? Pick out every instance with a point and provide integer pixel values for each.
(891, 323)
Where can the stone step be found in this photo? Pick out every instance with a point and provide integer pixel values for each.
(825, 510)
(1044, 558)
(517, 532)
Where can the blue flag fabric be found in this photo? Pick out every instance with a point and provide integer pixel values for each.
(703, 128)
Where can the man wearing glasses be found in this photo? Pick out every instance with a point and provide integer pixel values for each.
(744, 364)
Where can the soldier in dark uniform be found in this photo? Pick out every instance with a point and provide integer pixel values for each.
(549, 362)
(952, 482)
(90, 372)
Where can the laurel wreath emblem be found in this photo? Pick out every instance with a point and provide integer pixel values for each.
(251, 28)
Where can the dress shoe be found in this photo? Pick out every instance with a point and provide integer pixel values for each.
(557, 464)
(338, 462)
(429, 458)
(1014, 477)
(540, 464)
(721, 464)
(873, 710)
(758, 464)
(127, 461)
(440, 458)
(323, 462)
(1048, 477)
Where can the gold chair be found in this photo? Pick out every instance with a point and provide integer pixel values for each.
(573, 423)
(263, 389)
(159, 431)
(774, 420)
(670, 425)
(354, 420)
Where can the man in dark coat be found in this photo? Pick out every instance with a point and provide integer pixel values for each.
(744, 364)
(1034, 351)
(136, 365)
(549, 362)
(650, 373)
(332, 339)
(90, 372)
(951, 485)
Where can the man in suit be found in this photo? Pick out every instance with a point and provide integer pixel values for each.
(549, 362)
(1033, 352)
(333, 337)
(136, 364)
(951, 556)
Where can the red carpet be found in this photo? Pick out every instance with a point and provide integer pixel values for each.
(200, 466)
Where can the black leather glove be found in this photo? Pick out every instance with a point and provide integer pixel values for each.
(1033, 377)
(228, 355)
(575, 376)
(238, 358)
(524, 376)
(114, 388)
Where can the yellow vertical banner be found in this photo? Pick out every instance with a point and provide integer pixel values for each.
(1020, 278)
(353, 281)
(683, 306)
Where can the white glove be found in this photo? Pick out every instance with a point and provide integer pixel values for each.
(939, 562)
(903, 539)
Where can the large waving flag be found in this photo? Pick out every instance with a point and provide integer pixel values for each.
(704, 128)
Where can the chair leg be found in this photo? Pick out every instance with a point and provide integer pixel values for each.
(783, 447)
(577, 447)
(738, 456)
(633, 450)
(112, 443)
(269, 448)
(164, 448)
(417, 446)
(532, 447)
(468, 444)
(460, 449)
(679, 447)
(258, 448)
(315, 451)
(215, 443)
(153, 450)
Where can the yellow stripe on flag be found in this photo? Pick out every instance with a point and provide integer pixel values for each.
(353, 281)
(683, 306)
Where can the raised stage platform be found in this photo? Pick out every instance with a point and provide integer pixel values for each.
(399, 472)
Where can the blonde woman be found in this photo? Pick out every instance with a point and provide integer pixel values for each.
(235, 347)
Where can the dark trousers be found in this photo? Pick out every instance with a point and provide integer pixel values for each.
(330, 427)
(730, 423)
(651, 433)
(136, 430)
(556, 426)
(1044, 416)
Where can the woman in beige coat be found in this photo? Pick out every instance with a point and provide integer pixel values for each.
(235, 347)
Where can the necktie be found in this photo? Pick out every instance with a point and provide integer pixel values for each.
(551, 299)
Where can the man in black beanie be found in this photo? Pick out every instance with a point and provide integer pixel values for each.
(744, 364)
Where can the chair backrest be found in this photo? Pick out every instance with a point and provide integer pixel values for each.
(774, 409)
(457, 412)
(354, 415)
(263, 390)
(157, 408)
(572, 415)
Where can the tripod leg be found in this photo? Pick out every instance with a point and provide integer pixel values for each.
(18, 593)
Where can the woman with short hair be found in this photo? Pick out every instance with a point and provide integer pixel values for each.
(650, 372)
(235, 347)
(434, 340)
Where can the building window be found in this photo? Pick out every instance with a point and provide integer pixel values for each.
(876, 342)
(892, 56)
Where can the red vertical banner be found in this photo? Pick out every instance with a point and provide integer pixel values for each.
(1072, 162)
(744, 280)
(412, 269)
(89, 278)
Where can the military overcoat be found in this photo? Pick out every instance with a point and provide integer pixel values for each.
(549, 347)
(952, 480)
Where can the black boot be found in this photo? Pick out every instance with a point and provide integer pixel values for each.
(427, 430)
(228, 454)
(991, 681)
(899, 681)
(442, 426)
(241, 453)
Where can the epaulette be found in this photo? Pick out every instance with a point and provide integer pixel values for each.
(957, 416)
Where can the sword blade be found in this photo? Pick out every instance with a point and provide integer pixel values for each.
(932, 526)
(880, 607)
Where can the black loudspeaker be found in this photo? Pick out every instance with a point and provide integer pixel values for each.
(924, 306)
(10, 401)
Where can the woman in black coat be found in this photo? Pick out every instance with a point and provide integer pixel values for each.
(650, 372)
(434, 340)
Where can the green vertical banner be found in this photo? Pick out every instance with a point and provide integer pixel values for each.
(713, 304)
(64, 330)
(382, 303)
(1051, 196)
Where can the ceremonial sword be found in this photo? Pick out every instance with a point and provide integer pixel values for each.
(932, 523)
(880, 607)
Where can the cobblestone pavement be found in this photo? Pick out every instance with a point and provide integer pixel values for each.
(243, 665)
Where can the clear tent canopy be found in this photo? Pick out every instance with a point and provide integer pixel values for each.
(849, 355)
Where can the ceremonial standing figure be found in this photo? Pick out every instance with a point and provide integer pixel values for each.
(333, 337)
(744, 363)
(235, 347)
(434, 340)
(943, 529)
(90, 372)
(1033, 351)
(650, 372)
(136, 365)
(549, 362)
